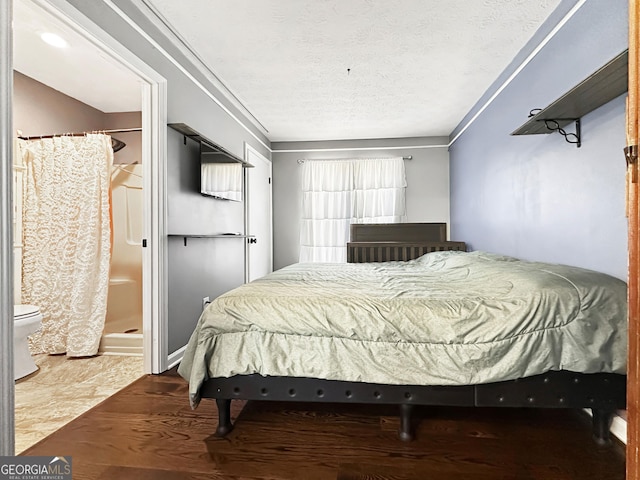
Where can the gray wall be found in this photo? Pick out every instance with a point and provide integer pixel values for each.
(204, 267)
(193, 270)
(427, 183)
(538, 197)
(41, 110)
(37, 107)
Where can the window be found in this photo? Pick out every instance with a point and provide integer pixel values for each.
(337, 193)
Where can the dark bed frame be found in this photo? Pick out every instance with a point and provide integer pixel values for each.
(603, 393)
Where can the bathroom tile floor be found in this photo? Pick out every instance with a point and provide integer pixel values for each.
(63, 388)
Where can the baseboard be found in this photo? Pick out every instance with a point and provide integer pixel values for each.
(121, 344)
(619, 428)
(176, 357)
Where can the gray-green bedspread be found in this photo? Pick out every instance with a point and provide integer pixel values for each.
(447, 318)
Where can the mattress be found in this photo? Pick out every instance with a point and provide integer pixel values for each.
(446, 318)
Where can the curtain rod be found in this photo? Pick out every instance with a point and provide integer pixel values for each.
(302, 160)
(78, 134)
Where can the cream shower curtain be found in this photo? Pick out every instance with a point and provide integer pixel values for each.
(67, 240)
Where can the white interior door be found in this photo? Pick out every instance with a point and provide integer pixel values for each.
(259, 216)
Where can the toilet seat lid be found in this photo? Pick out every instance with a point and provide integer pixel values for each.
(23, 311)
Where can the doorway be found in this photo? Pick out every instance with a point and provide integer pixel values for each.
(119, 63)
(151, 89)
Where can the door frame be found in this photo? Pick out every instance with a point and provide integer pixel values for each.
(7, 384)
(154, 148)
(248, 149)
(633, 214)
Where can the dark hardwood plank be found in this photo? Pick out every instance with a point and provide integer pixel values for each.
(148, 430)
(117, 473)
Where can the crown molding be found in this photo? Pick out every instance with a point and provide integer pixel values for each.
(164, 26)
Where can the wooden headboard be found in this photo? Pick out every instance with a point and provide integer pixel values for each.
(397, 241)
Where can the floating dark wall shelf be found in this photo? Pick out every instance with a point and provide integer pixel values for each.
(600, 87)
(187, 131)
(213, 235)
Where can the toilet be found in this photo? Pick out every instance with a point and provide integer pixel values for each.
(27, 319)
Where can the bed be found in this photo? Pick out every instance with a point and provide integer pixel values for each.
(446, 328)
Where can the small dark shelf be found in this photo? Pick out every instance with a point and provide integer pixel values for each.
(204, 235)
(213, 235)
(600, 87)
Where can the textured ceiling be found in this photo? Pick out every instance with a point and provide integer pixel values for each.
(345, 69)
(311, 69)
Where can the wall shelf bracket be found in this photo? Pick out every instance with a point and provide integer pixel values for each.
(554, 126)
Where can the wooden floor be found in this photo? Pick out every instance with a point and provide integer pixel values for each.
(148, 431)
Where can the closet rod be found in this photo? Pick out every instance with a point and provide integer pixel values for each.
(79, 134)
(408, 157)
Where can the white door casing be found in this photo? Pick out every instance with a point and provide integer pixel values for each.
(259, 215)
(7, 421)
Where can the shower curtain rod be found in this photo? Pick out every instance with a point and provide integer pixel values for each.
(79, 134)
(302, 160)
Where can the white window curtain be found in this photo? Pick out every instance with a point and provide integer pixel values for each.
(337, 193)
